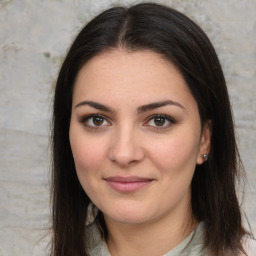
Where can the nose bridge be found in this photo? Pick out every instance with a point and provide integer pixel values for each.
(126, 147)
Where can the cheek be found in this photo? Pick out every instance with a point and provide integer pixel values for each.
(89, 157)
(89, 151)
(89, 154)
(175, 161)
(177, 152)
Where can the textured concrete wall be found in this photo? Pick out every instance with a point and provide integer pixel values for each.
(34, 36)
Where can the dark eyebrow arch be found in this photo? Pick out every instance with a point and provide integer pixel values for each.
(95, 105)
(154, 105)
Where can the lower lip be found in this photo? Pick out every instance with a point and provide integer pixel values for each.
(128, 186)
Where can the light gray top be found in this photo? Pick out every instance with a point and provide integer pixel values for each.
(192, 245)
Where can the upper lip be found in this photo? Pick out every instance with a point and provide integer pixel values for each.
(127, 179)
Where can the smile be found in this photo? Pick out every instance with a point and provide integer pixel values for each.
(127, 184)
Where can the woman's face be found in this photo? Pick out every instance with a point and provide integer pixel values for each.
(136, 136)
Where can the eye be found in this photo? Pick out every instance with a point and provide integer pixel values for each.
(95, 121)
(160, 121)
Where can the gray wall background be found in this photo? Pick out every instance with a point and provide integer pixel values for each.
(34, 36)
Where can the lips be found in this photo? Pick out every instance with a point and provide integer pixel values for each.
(127, 184)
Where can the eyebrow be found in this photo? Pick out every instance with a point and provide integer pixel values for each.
(141, 109)
(154, 105)
(95, 105)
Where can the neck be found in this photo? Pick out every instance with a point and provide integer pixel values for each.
(162, 235)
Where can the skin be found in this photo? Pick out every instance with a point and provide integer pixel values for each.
(127, 140)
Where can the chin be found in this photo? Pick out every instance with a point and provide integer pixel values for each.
(128, 216)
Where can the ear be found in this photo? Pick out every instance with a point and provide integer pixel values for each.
(205, 142)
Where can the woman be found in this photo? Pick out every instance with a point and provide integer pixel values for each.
(145, 158)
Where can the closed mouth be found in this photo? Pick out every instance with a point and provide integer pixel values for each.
(127, 184)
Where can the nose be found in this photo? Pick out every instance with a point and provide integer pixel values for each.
(126, 148)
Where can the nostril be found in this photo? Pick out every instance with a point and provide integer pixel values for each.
(126, 156)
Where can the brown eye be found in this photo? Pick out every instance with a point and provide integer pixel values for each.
(159, 121)
(97, 121)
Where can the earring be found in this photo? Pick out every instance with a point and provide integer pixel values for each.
(205, 156)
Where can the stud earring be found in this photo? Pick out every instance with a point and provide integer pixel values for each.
(205, 156)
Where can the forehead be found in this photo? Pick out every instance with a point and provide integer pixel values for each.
(140, 75)
(124, 63)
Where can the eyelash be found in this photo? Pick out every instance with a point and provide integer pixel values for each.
(87, 118)
(162, 116)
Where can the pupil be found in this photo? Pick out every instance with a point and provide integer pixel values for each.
(159, 121)
(97, 120)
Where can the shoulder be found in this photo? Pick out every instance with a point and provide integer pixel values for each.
(248, 243)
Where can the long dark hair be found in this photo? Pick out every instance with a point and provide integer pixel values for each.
(177, 38)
